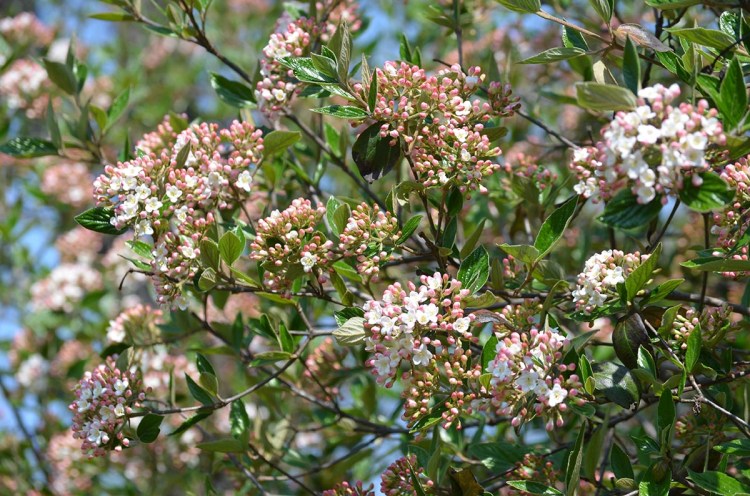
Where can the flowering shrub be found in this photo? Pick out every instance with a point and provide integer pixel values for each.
(281, 248)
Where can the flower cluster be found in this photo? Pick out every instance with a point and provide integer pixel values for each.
(324, 369)
(399, 479)
(715, 323)
(104, 399)
(25, 86)
(65, 287)
(440, 121)
(350, 489)
(33, 373)
(277, 86)
(136, 325)
(422, 331)
(79, 245)
(652, 150)
(68, 182)
(601, 275)
(25, 29)
(368, 235)
(528, 379)
(733, 222)
(68, 474)
(534, 468)
(295, 38)
(172, 190)
(526, 167)
(288, 246)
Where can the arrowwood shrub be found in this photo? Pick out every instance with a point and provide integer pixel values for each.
(256, 247)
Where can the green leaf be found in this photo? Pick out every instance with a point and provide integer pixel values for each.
(616, 383)
(665, 417)
(522, 6)
(693, 352)
(604, 97)
(229, 445)
(624, 212)
(190, 422)
(575, 458)
(118, 107)
(341, 217)
(352, 332)
(672, 4)
(532, 487)
(373, 155)
(662, 291)
(717, 264)
(646, 361)
(641, 275)
(62, 76)
(474, 270)
(232, 92)
(553, 55)
(497, 456)
(279, 141)
(733, 101)
(98, 219)
(523, 253)
(718, 483)
(113, 17)
(408, 229)
(230, 247)
(554, 227)
(737, 447)
(269, 357)
(620, 462)
(210, 255)
(631, 67)
(198, 392)
(489, 352)
(148, 428)
(472, 240)
(304, 69)
(713, 194)
(54, 128)
(706, 37)
(285, 339)
(28, 148)
(604, 8)
(628, 336)
(372, 96)
(203, 364)
(239, 421)
(342, 111)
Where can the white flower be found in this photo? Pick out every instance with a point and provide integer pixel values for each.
(462, 324)
(614, 276)
(499, 370)
(461, 134)
(119, 410)
(188, 251)
(556, 395)
(427, 314)
(173, 193)
(382, 364)
(244, 180)
(153, 204)
(648, 134)
(121, 385)
(422, 355)
(697, 141)
(527, 381)
(581, 154)
(308, 261)
(648, 93)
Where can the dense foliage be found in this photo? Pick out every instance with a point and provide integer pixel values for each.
(503, 253)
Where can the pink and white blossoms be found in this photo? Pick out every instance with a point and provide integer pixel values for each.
(172, 191)
(64, 288)
(26, 29)
(421, 331)
(651, 150)
(601, 275)
(136, 325)
(288, 246)
(24, 86)
(104, 399)
(399, 479)
(68, 182)
(369, 236)
(441, 122)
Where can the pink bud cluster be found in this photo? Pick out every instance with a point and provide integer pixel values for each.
(172, 190)
(440, 122)
(25, 86)
(64, 288)
(26, 29)
(67, 465)
(350, 489)
(536, 468)
(601, 275)
(651, 150)
(418, 334)
(731, 224)
(714, 322)
(288, 246)
(323, 369)
(400, 476)
(79, 245)
(68, 182)
(291, 39)
(104, 399)
(136, 325)
(369, 234)
(526, 167)
(527, 378)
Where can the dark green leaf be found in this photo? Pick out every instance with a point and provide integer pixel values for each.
(232, 92)
(190, 422)
(198, 392)
(694, 345)
(239, 420)
(575, 458)
(554, 227)
(148, 428)
(408, 229)
(620, 462)
(203, 364)
(733, 103)
(641, 275)
(223, 446)
(624, 212)
(62, 76)
(28, 148)
(553, 55)
(616, 383)
(718, 483)
(98, 219)
(631, 67)
(713, 194)
(373, 155)
(474, 270)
